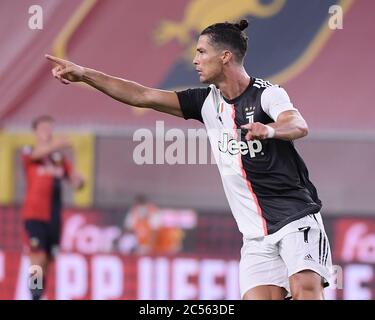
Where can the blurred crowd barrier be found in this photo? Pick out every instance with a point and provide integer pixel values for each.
(340, 165)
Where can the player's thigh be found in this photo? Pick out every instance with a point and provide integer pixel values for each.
(265, 292)
(37, 235)
(307, 284)
(306, 248)
(262, 271)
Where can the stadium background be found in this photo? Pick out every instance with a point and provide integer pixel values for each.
(328, 74)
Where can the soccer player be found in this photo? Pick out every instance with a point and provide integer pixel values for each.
(142, 219)
(251, 125)
(45, 167)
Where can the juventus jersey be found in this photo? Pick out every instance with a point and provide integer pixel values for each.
(266, 182)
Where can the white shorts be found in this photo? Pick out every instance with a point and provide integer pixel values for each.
(271, 260)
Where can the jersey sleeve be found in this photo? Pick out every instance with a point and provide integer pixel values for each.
(191, 102)
(275, 100)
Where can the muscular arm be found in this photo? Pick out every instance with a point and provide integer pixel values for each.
(125, 91)
(290, 125)
(132, 93)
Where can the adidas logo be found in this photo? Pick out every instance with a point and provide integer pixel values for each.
(309, 257)
(260, 83)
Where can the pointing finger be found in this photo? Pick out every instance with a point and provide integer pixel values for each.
(56, 60)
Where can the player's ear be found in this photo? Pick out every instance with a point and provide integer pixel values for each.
(226, 56)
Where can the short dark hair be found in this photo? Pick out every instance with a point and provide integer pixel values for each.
(40, 119)
(229, 34)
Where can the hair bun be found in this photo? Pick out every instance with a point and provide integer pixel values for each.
(242, 25)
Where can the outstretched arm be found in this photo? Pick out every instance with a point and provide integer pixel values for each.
(125, 91)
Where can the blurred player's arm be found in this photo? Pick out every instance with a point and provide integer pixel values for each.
(74, 178)
(58, 144)
(77, 181)
(125, 91)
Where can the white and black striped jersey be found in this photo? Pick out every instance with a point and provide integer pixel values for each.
(266, 182)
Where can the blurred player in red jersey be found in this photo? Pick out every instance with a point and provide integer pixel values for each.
(45, 167)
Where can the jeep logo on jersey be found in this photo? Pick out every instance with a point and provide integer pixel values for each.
(233, 147)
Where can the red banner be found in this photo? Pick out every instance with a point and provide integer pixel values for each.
(99, 258)
(354, 255)
(99, 276)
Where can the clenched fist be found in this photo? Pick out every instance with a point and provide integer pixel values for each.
(258, 131)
